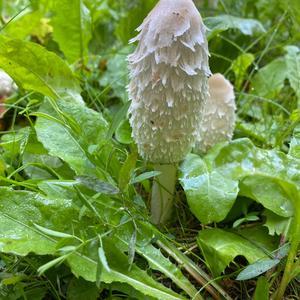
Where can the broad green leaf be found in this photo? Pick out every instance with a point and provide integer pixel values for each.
(20, 209)
(58, 188)
(212, 183)
(276, 224)
(36, 69)
(220, 247)
(262, 289)
(67, 144)
(210, 195)
(125, 30)
(38, 164)
(116, 75)
(15, 143)
(123, 133)
(257, 268)
(268, 192)
(293, 65)
(240, 66)
(269, 80)
(119, 272)
(71, 28)
(23, 26)
(79, 289)
(222, 23)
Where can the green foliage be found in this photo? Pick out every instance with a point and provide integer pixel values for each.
(220, 247)
(262, 289)
(36, 69)
(74, 35)
(224, 22)
(213, 183)
(74, 193)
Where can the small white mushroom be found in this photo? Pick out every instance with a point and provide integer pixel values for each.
(218, 118)
(7, 85)
(168, 88)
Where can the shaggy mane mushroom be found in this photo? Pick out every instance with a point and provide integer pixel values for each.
(218, 117)
(168, 88)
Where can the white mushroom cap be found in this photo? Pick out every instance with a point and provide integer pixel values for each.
(7, 85)
(168, 87)
(218, 119)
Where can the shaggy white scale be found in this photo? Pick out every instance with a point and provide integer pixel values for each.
(168, 88)
(218, 117)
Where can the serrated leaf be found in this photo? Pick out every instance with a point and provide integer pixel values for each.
(220, 247)
(269, 80)
(74, 32)
(36, 69)
(92, 127)
(18, 209)
(276, 224)
(266, 190)
(222, 23)
(140, 280)
(18, 234)
(23, 26)
(162, 264)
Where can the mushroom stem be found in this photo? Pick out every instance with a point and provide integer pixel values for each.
(163, 193)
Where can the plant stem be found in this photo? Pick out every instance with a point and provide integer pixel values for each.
(289, 269)
(163, 193)
(291, 265)
(199, 275)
